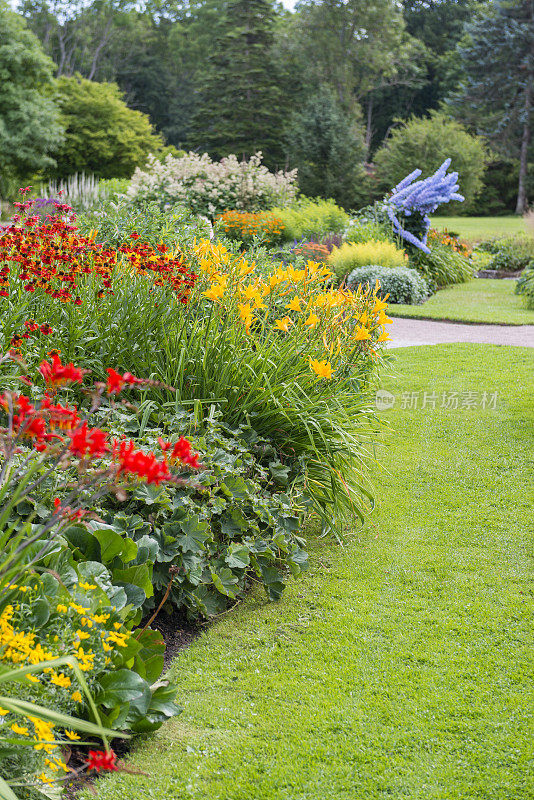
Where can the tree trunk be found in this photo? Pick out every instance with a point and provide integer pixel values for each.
(521, 206)
(369, 128)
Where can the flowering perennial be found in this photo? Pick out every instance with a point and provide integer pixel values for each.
(420, 199)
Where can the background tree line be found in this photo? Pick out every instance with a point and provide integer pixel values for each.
(352, 92)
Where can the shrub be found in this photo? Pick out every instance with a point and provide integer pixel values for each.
(380, 253)
(403, 285)
(525, 285)
(360, 231)
(212, 187)
(244, 227)
(308, 218)
(102, 135)
(510, 253)
(313, 251)
(425, 143)
(119, 223)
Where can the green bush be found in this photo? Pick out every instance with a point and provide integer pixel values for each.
(102, 135)
(403, 285)
(443, 266)
(380, 253)
(115, 222)
(510, 253)
(308, 218)
(525, 285)
(425, 144)
(360, 231)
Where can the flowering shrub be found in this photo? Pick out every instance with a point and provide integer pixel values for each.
(410, 203)
(509, 253)
(245, 227)
(448, 240)
(211, 187)
(380, 253)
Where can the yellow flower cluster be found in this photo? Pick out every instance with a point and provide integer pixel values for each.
(329, 321)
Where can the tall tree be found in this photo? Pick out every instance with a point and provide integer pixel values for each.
(240, 106)
(496, 95)
(29, 127)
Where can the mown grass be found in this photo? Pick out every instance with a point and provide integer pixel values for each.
(480, 300)
(475, 229)
(400, 665)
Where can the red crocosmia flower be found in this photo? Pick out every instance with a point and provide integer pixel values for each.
(88, 441)
(58, 374)
(136, 462)
(116, 382)
(182, 452)
(100, 760)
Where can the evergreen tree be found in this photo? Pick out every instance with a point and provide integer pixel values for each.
(239, 108)
(328, 149)
(497, 92)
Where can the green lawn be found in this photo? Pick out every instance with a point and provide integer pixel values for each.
(480, 300)
(474, 229)
(399, 667)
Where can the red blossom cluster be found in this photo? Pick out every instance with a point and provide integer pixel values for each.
(168, 269)
(52, 257)
(41, 425)
(102, 760)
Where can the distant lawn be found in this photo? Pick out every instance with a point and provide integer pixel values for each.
(400, 666)
(480, 300)
(474, 229)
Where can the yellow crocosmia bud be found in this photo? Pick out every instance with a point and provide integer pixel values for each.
(322, 369)
(362, 333)
(283, 324)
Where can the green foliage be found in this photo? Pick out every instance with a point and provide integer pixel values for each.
(307, 218)
(29, 127)
(116, 221)
(403, 285)
(509, 253)
(360, 231)
(102, 135)
(326, 145)
(525, 285)
(378, 253)
(425, 144)
(443, 266)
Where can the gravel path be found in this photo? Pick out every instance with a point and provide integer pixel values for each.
(412, 332)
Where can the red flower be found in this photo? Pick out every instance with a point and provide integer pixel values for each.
(182, 452)
(58, 374)
(116, 382)
(134, 235)
(136, 462)
(88, 441)
(100, 760)
(45, 329)
(31, 325)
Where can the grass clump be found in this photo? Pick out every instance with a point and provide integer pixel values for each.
(308, 218)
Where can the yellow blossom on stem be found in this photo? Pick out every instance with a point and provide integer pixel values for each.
(283, 324)
(293, 305)
(60, 680)
(16, 728)
(76, 696)
(72, 735)
(362, 333)
(312, 321)
(322, 369)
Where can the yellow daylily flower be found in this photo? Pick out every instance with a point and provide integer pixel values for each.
(283, 324)
(322, 369)
(294, 304)
(312, 321)
(362, 333)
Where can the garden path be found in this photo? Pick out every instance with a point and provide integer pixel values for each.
(411, 332)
